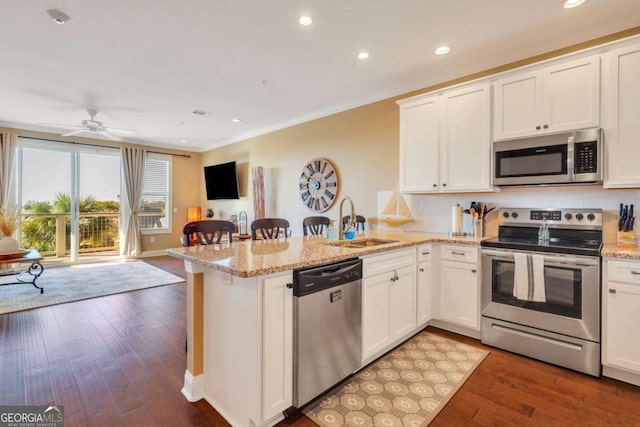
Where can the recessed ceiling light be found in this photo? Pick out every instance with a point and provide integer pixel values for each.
(57, 16)
(363, 55)
(305, 20)
(201, 113)
(442, 50)
(183, 141)
(568, 4)
(236, 120)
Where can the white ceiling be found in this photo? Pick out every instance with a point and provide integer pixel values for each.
(147, 64)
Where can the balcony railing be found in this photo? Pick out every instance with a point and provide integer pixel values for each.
(50, 234)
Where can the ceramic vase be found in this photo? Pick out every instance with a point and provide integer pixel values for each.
(9, 245)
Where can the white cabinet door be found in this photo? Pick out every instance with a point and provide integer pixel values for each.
(622, 147)
(459, 293)
(620, 314)
(558, 98)
(419, 145)
(465, 160)
(375, 314)
(402, 303)
(517, 105)
(424, 293)
(277, 346)
(571, 95)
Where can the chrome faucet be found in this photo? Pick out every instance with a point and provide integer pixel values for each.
(353, 217)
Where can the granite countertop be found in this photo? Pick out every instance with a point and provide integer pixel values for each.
(613, 251)
(255, 258)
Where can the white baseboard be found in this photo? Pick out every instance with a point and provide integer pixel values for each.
(157, 252)
(621, 375)
(193, 388)
(462, 330)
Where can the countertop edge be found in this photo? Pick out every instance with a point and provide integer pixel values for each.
(262, 271)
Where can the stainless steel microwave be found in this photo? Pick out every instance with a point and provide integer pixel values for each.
(562, 158)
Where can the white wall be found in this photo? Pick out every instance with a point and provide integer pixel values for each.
(433, 212)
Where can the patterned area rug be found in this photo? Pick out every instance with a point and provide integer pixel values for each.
(407, 387)
(66, 284)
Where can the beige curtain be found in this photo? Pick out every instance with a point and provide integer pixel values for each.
(133, 162)
(8, 142)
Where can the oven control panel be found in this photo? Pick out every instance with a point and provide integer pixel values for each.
(575, 218)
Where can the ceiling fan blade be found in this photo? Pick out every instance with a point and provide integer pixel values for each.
(129, 131)
(109, 135)
(75, 132)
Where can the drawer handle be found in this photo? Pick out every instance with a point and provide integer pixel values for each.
(422, 270)
(612, 291)
(635, 273)
(473, 271)
(426, 253)
(463, 254)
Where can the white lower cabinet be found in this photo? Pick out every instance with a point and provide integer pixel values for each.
(277, 347)
(424, 285)
(388, 301)
(459, 286)
(621, 315)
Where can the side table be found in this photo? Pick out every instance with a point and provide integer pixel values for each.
(31, 274)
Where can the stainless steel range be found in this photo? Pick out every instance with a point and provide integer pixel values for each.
(541, 291)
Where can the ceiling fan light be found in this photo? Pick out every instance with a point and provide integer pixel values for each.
(442, 50)
(305, 20)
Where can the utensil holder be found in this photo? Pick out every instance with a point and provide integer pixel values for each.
(478, 228)
(627, 240)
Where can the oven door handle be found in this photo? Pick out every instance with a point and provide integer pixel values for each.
(568, 261)
(498, 254)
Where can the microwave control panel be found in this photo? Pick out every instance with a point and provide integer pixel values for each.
(586, 157)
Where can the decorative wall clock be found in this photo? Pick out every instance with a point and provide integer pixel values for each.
(318, 184)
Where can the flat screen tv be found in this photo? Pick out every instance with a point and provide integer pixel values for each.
(221, 181)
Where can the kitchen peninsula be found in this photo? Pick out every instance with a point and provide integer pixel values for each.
(239, 313)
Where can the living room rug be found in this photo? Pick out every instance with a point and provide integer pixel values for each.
(406, 387)
(78, 282)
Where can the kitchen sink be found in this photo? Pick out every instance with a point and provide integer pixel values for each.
(362, 243)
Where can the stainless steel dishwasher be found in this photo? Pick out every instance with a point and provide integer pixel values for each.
(327, 325)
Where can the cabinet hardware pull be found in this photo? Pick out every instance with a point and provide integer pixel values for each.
(444, 185)
(636, 273)
(290, 285)
(612, 291)
(546, 126)
(473, 271)
(461, 253)
(435, 185)
(538, 128)
(426, 253)
(422, 270)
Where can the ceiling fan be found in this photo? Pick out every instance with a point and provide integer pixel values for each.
(96, 127)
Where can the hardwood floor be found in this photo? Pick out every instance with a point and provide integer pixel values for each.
(120, 360)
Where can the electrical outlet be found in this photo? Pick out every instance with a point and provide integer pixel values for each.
(152, 239)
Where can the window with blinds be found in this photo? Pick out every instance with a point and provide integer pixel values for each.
(155, 203)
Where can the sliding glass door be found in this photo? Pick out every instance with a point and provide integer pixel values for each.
(70, 199)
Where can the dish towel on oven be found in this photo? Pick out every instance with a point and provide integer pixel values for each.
(521, 277)
(537, 262)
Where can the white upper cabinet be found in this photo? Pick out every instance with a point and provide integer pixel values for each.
(558, 98)
(445, 141)
(419, 145)
(621, 133)
(465, 148)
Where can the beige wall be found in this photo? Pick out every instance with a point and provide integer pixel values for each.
(362, 143)
(186, 182)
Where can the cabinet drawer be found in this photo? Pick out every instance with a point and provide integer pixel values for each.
(379, 264)
(459, 253)
(621, 271)
(424, 253)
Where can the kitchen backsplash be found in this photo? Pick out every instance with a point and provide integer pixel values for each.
(432, 212)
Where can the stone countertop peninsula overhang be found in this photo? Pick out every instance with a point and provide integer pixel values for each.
(252, 258)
